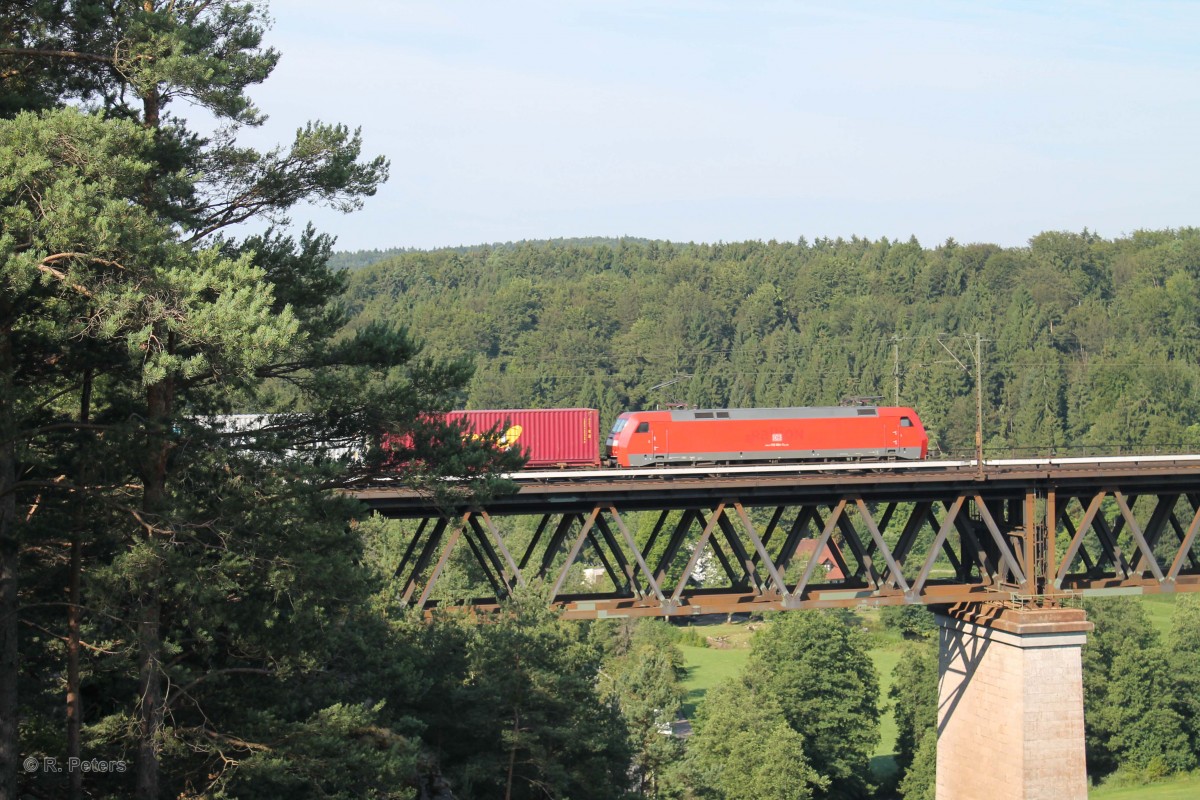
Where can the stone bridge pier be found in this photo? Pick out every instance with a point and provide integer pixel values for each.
(1010, 703)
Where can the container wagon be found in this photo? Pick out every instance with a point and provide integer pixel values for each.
(550, 437)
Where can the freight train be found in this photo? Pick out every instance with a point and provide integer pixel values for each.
(569, 437)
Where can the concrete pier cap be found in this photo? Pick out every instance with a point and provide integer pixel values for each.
(1010, 702)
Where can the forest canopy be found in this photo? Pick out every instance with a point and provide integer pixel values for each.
(1087, 344)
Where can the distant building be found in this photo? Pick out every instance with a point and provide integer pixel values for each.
(825, 560)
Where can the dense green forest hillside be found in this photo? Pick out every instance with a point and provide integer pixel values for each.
(355, 259)
(1087, 343)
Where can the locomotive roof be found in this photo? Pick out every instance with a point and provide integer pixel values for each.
(806, 412)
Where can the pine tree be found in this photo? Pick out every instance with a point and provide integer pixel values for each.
(67, 229)
(644, 682)
(190, 322)
(525, 720)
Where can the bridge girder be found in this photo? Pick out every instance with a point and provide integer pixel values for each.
(721, 544)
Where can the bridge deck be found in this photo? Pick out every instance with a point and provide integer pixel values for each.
(719, 539)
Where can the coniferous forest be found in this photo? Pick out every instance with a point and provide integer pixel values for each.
(1085, 344)
(189, 609)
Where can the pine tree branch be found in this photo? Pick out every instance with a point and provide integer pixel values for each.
(94, 648)
(61, 276)
(58, 426)
(236, 742)
(120, 621)
(87, 256)
(73, 55)
(226, 671)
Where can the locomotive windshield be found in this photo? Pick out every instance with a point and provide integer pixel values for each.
(619, 425)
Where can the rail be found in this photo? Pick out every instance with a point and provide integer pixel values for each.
(831, 467)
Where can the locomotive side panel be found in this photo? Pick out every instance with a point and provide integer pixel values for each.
(766, 435)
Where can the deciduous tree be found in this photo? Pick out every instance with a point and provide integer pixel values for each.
(743, 748)
(814, 665)
(914, 696)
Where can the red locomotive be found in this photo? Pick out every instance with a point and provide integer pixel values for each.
(763, 435)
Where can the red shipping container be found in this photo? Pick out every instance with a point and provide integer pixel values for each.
(551, 437)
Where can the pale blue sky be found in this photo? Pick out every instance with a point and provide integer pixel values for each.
(723, 121)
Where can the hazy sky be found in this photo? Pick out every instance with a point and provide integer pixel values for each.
(707, 120)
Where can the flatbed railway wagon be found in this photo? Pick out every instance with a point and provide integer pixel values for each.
(765, 435)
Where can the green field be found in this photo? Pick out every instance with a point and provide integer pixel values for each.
(724, 658)
(1184, 788)
(1159, 607)
(884, 763)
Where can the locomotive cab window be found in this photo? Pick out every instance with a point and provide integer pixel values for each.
(643, 427)
(905, 422)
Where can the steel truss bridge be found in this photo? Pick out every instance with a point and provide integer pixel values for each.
(686, 541)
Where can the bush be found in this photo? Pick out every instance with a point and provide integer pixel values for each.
(912, 622)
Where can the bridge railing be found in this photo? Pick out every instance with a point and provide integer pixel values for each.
(1064, 451)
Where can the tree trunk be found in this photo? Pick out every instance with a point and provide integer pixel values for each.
(74, 701)
(9, 672)
(159, 403)
(150, 679)
(9, 665)
(512, 754)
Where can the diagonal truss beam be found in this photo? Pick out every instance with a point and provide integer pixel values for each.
(738, 554)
